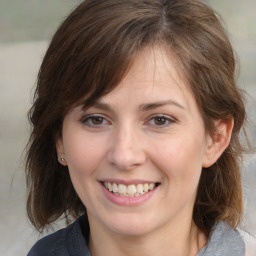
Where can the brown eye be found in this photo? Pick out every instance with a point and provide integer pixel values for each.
(97, 120)
(94, 121)
(160, 120)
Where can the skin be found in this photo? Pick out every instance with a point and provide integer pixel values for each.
(127, 141)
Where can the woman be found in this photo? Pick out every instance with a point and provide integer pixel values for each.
(136, 124)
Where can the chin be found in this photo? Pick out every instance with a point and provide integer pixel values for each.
(131, 226)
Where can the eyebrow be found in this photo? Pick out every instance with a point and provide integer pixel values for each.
(98, 105)
(158, 104)
(101, 106)
(142, 107)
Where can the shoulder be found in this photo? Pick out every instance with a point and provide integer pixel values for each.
(50, 244)
(250, 243)
(224, 241)
(65, 242)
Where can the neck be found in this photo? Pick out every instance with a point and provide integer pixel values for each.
(181, 239)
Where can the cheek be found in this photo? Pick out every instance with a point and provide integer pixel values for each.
(180, 159)
(83, 158)
(82, 154)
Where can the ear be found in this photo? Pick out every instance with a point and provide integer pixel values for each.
(60, 152)
(218, 142)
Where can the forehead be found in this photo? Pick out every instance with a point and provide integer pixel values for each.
(155, 63)
(155, 73)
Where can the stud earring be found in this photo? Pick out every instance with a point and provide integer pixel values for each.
(62, 160)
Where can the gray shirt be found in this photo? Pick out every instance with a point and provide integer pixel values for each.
(224, 241)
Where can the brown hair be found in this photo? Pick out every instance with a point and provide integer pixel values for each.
(87, 58)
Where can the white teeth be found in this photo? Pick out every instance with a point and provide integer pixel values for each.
(109, 186)
(130, 190)
(151, 186)
(140, 188)
(145, 186)
(121, 189)
(114, 188)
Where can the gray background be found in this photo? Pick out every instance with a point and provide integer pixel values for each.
(25, 29)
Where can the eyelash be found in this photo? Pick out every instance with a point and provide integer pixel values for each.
(87, 120)
(166, 118)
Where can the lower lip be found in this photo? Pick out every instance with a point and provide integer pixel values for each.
(126, 200)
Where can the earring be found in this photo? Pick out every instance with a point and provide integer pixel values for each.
(62, 160)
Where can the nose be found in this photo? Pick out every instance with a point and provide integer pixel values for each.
(126, 151)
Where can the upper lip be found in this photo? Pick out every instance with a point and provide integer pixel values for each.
(128, 182)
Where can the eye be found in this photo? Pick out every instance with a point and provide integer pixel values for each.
(160, 121)
(94, 121)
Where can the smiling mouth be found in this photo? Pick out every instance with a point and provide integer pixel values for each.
(130, 190)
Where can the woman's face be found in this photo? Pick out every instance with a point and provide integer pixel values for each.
(146, 142)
